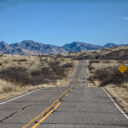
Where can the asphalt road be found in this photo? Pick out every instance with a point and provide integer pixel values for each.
(78, 107)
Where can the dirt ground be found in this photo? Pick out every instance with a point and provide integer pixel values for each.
(119, 93)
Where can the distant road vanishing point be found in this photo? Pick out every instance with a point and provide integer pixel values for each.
(74, 106)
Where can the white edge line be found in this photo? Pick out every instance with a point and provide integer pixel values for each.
(1, 103)
(118, 107)
(17, 97)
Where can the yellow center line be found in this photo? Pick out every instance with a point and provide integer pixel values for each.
(34, 119)
(49, 113)
(55, 104)
(46, 110)
(66, 95)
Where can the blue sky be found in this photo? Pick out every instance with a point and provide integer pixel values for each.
(63, 21)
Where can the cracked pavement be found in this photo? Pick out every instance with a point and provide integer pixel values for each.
(83, 107)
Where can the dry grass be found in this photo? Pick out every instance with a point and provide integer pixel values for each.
(102, 60)
(116, 53)
(40, 71)
(118, 89)
(119, 93)
(8, 90)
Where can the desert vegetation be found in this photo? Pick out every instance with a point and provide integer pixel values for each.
(105, 73)
(110, 75)
(102, 71)
(115, 53)
(19, 74)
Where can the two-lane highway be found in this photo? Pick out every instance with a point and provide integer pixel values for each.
(75, 106)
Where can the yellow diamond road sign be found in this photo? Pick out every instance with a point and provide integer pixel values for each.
(122, 68)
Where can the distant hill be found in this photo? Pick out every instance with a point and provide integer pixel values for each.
(7, 49)
(38, 48)
(110, 45)
(80, 46)
(115, 53)
(29, 47)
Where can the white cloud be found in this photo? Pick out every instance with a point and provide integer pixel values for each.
(125, 18)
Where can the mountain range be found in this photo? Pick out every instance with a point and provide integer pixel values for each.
(29, 47)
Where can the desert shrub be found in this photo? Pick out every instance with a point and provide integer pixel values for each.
(54, 65)
(97, 57)
(69, 56)
(94, 61)
(42, 55)
(15, 60)
(120, 61)
(14, 74)
(90, 79)
(41, 58)
(22, 76)
(68, 65)
(90, 67)
(110, 76)
(35, 73)
(25, 76)
(59, 56)
(6, 62)
(59, 69)
(44, 75)
(22, 60)
(1, 55)
(45, 60)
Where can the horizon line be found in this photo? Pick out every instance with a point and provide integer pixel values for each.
(62, 45)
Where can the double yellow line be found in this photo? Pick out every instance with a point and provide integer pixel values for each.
(44, 114)
(47, 111)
